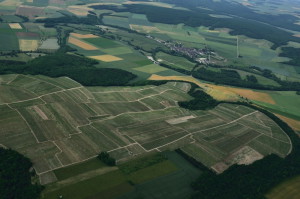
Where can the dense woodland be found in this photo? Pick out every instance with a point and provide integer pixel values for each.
(229, 77)
(292, 53)
(15, 178)
(237, 9)
(196, 18)
(78, 68)
(90, 19)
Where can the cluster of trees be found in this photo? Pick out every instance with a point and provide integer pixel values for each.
(195, 18)
(229, 77)
(255, 180)
(78, 68)
(15, 176)
(90, 19)
(106, 159)
(201, 101)
(292, 53)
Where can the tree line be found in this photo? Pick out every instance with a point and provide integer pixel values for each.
(78, 68)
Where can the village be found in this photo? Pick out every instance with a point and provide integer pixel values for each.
(199, 55)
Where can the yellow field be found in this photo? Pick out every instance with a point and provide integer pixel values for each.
(289, 190)
(165, 5)
(221, 92)
(246, 93)
(15, 26)
(81, 44)
(10, 3)
(28, 45)
(295, 124)
(106, 58)
(81, 36)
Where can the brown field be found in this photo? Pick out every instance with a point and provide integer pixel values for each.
(81, 36)
(28, 45)
(79, 10)
(106, 58)
(15, 26)
(27, 34)
(81, 44)
(221, 92)
(295, 124)
(29, 11)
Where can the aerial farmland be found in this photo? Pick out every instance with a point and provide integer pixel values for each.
(139, 99)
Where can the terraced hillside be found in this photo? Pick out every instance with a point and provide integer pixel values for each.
(58, 122)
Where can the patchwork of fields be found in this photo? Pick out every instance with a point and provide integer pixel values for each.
(58, 122)
(27, 37)
(253, 51)
(114, 54)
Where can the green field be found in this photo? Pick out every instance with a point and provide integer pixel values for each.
(286, 103)
(11, 19)
(58, 122)
(175, 61)
(77, 169)
(153, 68)
(89, 179)
(8, 38)
(102, 42)
(175, 185)
(116, 21)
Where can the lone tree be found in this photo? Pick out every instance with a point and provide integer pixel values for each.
(106, 159)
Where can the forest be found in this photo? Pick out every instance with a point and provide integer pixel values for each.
(15, 177)
(238, 9)
(293, 54)
(78, 68)
(228, 77)
(90, 19)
